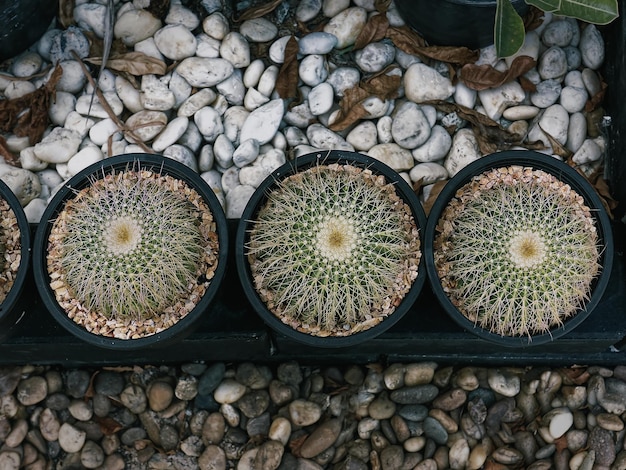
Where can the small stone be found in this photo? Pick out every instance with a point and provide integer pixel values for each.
(552, 63)
(175, 42)
(135, 25)
(10, 460)
(134, 398)
(213, 458)
(588, 152)
(262, 123)
(229, 391)
(497, 100)
(32, 390)
(434, 430)
(464, 150)
(23, 183)
(375, 56)
(428, 173)
(71, 439)
(504, 382)
(391, 154)
(323, 437)
(610, 422)
(346, 26)
(381, 407)
(204, 72)
(80, 410)
(92, 455)
(560, 421)
(258, 30)
(417, 394)
(423, 83)
(592, 47)
(602, 444)
(318, 42)
(303, 412)
(58, 146)
(435, 148)
(235, 49)
(160, 395)
(410, 127)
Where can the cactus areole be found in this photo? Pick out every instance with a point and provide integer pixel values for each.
(132, 249)
(332, 247)
(518, 248)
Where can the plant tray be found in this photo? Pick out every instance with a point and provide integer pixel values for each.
(232, 331)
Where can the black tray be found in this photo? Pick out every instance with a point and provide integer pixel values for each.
(232, 331)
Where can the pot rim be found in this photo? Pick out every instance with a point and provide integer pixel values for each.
(153, 162)
(7, 312)
(564, 173)
(259, 197)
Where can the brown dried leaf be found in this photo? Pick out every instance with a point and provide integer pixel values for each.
(482, 77)
(258, 12)
(287, 80)
(8, 156)
(351, 108)
(410, 42)
(108, 425)
(575, 375)
(602, 188)
(383, 84)
(533, 19)
(159, 8)
(96, 45)
(374, 30)
(296, 443)
(135, 63)
(527, 85)
(27, 116)
(66, 12)
(432, 196)
(90, 392)
(596, 99)
(382, 6)
(557, 147)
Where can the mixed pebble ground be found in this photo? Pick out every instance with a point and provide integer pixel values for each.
(288, 416)
(215, 108)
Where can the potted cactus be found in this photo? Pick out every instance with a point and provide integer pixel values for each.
(15, 259)
(329, 249)
(131, 251)
(519, 248)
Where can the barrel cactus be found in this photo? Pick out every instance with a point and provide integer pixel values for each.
(134, 247)
(517, 251)
(333, 250)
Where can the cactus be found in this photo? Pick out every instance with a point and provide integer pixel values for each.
(517, 251)
(131, 246)
(333, 250)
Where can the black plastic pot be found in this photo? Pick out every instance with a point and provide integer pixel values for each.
(158, 164)
(565, 174)
(257, 201)
(10, 315)
(466, 23)
(23, 22)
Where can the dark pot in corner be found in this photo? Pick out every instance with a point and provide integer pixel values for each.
(466, 23)
(315, 246)
(514, 252)
(132, 249)
(15, 236)
(23, 22)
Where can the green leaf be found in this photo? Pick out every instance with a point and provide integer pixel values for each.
(591, 11)
(508, 31)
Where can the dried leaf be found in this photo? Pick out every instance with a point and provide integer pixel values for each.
(90, 392)
(97, 47)
(533, 19)
(557, 147)
(159, 8)
(135, 63)
(351, 108)
(108, 425)
(527, 85)
(560, 443)
(603, 190)
(8, 156)
(374, 30)
(596, 99)
(258, 12)
(66, 12)
(576, 375)
(27, 116)
(296, 443)
(383, 84)
(287, 80)
(482, 77)
(432, 196)
(410, 42)
(491, 136)
(382, 6)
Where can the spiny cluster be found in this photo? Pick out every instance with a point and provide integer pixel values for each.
(517, 251)
(129, 245)
(333, 249)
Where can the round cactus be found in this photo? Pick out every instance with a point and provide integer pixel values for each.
(517, 251)
(130, 247)
(333, 250)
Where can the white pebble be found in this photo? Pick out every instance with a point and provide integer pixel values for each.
(155, 93)
(83, 159)
(398, 158)
(223, 150)
(410, 127)
(313, 69)
(61, 107)
(146, 125)
(183, 155)
(435, 148)
(346, 26)
(258, 30)
(128, 94)
(464, 151)
(216, 25)
(321, 99)
(267, 80)
(375, 56)
(253, 73)
(236, 201)
(364, 136)
(246, 153)
(101, 131)
(496, 100)
(423, 83)
(235, 49)
(317, 42)
(428, 173)
(588, 152)
(135, 25)
(321, 137)
(592, 47)
(204, 72)
(58, 146)
(209, 123)
(172, 132)
(262, 123)
(178, 14)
